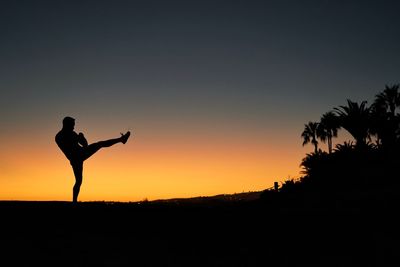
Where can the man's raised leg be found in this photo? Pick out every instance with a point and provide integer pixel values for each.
(93, 148)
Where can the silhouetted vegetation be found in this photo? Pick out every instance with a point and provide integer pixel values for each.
(360, 174)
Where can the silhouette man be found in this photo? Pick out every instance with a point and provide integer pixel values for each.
(76, 148)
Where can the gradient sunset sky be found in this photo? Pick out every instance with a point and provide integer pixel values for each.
(216, 93)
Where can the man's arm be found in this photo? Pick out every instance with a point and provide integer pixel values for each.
(82, 140)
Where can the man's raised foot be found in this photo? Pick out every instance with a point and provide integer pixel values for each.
(125, 137)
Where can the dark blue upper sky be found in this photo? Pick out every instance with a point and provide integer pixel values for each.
(256, 62)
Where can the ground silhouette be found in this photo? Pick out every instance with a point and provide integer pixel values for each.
(169, 234)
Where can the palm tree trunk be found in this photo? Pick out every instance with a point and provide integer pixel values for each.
(330, 144)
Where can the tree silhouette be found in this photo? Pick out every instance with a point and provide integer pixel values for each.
(355, 174)
(310, 134)
(346, 147)
(328, 128)
(355, 118)
(388, 100)
(312, 162)
(385, 121)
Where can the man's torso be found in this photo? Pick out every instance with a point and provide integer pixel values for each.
(68, 142)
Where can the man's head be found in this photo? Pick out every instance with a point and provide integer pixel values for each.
(68, 123)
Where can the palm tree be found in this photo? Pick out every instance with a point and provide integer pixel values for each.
(388, 100)
(346, 147)
(355, 118)
(328, 128)
(310, 135)
(386, 121)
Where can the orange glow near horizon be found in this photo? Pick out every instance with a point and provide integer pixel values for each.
(148, 168)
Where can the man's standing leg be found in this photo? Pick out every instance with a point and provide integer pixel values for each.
(78, 172)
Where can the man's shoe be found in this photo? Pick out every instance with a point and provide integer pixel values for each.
(124, 137)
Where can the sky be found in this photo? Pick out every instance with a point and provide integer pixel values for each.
(215, 93)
